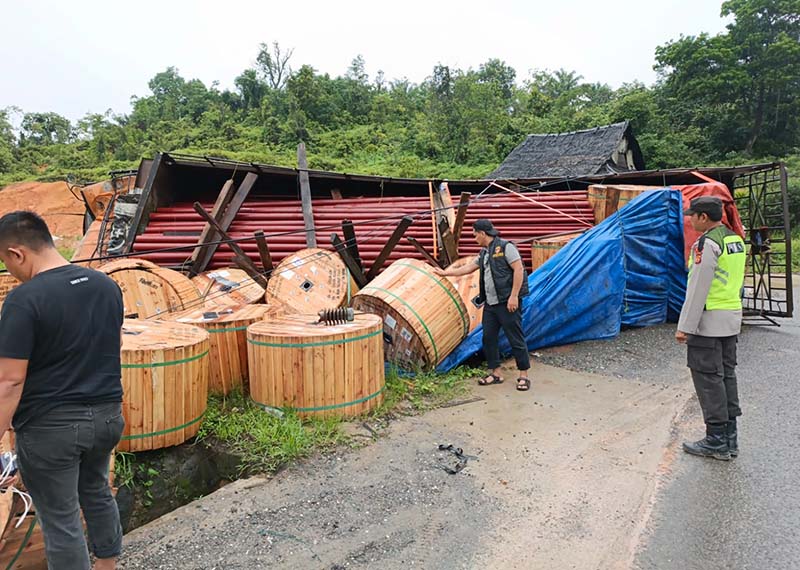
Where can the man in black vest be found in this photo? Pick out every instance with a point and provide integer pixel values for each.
(503, 283)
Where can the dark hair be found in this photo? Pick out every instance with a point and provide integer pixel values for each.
(24, 228)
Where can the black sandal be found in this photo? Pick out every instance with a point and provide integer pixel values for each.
(494, 380)
(523, 384)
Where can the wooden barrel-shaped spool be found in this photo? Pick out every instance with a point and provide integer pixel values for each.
(7, 283)
(165, 381)
(423, 315)
(318, 370)
(468, 287)
(227, 336)
(228, 288)
(544, 248)
(149, 290)
(311, 280)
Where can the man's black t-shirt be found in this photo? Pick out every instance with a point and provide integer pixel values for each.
(67, 323)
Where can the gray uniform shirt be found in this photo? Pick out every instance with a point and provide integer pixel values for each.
(512, 255)
(694, 318)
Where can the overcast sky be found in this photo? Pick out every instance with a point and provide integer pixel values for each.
(80, 56)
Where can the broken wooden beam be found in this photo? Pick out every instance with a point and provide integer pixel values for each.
(207, 252)
(305, 196)
(461, 214)
(398, 233)
(349, 233)
(263, 252)
(207, 234)
(449, 250)
(240, 257)
(422, 251)
(352, 266)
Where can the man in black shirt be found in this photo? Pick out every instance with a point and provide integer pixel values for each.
(60, 338)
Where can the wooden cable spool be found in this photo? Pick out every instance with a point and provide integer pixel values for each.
(468, 287)
(7, 283)
(310, 281)
(227, 331)
(318, 370)
(165, 381)
(544, 248)
(149, 290)
(228, 288)
(423, 315)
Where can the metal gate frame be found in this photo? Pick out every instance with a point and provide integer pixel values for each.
(762, 199)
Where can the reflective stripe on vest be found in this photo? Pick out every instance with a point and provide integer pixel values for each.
(726, 287)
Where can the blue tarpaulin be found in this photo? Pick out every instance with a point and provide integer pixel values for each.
(628, 270)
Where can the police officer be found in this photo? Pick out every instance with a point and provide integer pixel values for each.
(710, 321)
(503, 283)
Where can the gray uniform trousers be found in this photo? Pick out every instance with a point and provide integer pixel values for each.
(712, 361)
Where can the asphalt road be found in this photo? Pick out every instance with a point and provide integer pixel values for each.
(744, 514)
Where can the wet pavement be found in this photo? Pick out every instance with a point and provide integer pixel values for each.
(742, 515)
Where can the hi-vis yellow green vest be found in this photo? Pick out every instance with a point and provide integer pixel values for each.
(726, 288)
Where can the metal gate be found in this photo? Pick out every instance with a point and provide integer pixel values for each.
(762, 200)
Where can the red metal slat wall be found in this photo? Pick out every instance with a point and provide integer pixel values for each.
(374, 218)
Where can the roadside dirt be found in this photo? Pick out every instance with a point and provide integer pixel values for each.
(561, 477)
(53, 201)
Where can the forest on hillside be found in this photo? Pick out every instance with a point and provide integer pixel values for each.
(729, 98)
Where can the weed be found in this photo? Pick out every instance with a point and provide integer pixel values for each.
(264, 441)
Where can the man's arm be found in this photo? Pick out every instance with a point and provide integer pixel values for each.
(12, 380)
(698, 287)
(17, 339)
(516, 285)
(451, 271)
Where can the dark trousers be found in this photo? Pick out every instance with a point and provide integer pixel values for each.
(63, 459)
(712, 361)
(496, 317)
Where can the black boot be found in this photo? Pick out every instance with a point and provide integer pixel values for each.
(714, 444)
(733, 438)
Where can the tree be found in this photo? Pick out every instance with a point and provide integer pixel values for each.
(251, 89)
(274, 64)
(743, 86)
(45, 128)
(6, 141)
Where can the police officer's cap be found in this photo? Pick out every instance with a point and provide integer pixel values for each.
(710, 205)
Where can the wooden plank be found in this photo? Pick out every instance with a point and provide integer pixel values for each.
(305, 196)
(446, 202)
(461, 214)
(206, 253)
(240, 256)
(352, 265)
(398, 233)
(349, 232)
(263, 252)
(423, 252)
(449, 251)
(207, 234)
(433, 222)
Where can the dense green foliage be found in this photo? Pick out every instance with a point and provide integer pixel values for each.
(733, 97)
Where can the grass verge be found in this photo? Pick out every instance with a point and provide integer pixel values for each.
(266, 441)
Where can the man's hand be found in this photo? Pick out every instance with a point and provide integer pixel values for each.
(513, 304)
(680, 336)
(10, 482)
(439, 271)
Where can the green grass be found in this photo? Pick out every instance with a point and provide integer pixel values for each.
(796, 251)
(264, 441)
(267, 441)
